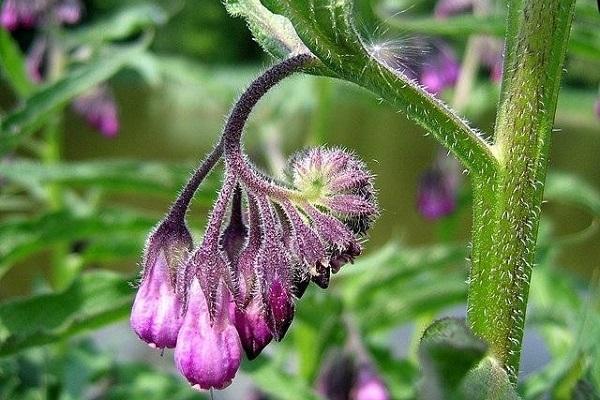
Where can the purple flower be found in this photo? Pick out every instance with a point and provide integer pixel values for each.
(368, 385)
(156, 313)
(17, 14)
(238, 287)
(490, 53)
(598, 108)
(447, 8)
(336, 376)
(208, 351)
(35, 60)
(252, 328)
(20, 13)
(99, 109)
(438, 189)
(68, 11)
(440, 70)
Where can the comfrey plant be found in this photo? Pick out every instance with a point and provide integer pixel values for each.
(264, 243)
(238, 286)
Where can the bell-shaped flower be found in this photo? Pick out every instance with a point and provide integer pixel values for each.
(336, 376)
(441, 69)
(208, 351)
(252, 328)
(368, 385)
(275, 272)
(156, 313)
(438, 189)
(99, 109)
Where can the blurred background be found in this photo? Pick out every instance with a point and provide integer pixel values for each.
(104, 154)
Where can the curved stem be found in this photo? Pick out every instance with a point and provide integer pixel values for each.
(231, 137)
(232, 133)
(180, 206)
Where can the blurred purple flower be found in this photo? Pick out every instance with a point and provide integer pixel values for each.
(490, 48)
(490, 53)
(99, 109)
(368, 385)
(27, 14)
(440, 69)
(342, 377)
(447, 8)
(598, 108)
(438, 188)
(336, 377)
(35, 60)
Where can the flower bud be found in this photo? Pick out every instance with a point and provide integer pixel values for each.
(438, 188)
(156, 313)
(368, 385)
(234, 236)
(20, 14)
(9, 19)
(441, 70)
(99, 109)
(252, 328)
(208, 352)
(338, 181)
(447, 8)
(68, 11)
(336, 376)
(35, 60)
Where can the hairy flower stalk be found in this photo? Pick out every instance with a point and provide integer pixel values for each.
(263, 244)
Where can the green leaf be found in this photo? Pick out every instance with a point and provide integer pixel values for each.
(34, 111)
(426, 279)
(313, 333)
(95, 299)
(116, 175)
(273, 381)
(273, 32)
(23, 237)
(488, 381)
(122, 24)
(13, 65)
(326, 27)
(462, 26)
(448, 351)
(571, 189)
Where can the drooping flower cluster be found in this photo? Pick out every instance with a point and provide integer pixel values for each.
(264, 243)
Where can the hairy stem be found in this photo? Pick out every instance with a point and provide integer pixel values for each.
(232, 133)
(507, 204)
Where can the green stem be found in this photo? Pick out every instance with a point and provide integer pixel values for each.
(507, 204)
(321, 118)
(62, 271)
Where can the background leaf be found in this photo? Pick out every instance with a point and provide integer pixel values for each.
(93, 300)
(36, 108)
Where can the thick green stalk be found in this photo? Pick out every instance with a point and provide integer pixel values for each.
(507, 205)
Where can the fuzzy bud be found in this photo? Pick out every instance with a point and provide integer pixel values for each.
(368, 385)
(208, 352)
(99, 109)
(156, 312)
